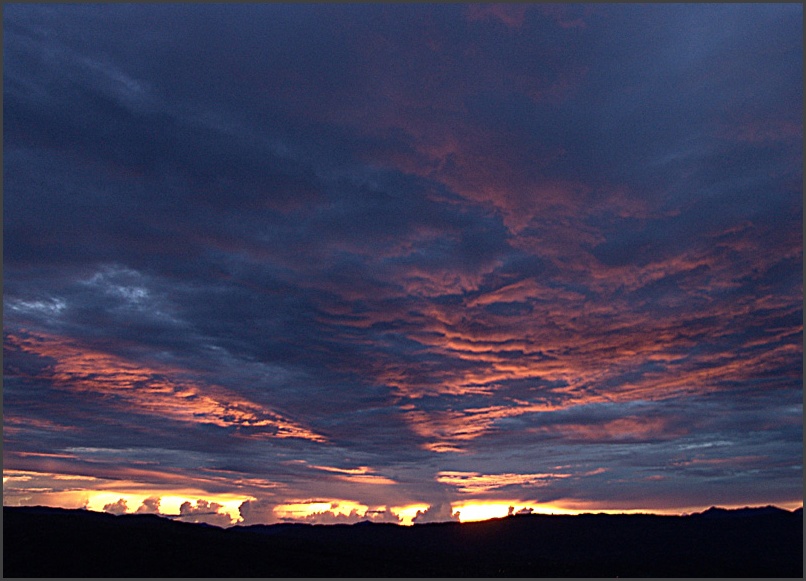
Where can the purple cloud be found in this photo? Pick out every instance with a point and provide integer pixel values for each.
(337, 252)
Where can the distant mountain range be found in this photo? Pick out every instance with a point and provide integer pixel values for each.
(749, 542)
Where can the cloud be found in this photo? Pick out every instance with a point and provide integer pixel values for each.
(257, 512)
(266, 511)
(204, 512)
(118, 507)
(382, 515)
(521, 511)
(329, 517)
(150, 505)
(401, 241)
(440, 512)
(474, 483)
(152, 390)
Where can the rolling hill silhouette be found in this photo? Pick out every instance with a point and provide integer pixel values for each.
(762, 542)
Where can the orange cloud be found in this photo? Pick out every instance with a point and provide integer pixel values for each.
(360, 475)
(155, 389)
(446, 430)
(630, 428)
(476, 483)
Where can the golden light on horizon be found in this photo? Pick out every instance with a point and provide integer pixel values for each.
(302, 509)
(478, 510)
(408, 512)
(170, 502)
(31, 488)
(42, 488)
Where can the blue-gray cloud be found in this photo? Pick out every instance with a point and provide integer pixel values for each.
(403, 240)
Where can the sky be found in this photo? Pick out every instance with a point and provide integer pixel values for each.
(404, 263)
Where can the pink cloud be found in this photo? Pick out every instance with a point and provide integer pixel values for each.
(158, 390)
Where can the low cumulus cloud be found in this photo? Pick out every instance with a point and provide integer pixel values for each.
(262, 511)
(118, 507)
(384, 515)
(524, 510)
(204, 512)
(150, 505)
(257, 512)
(330, 517)
(440, 512)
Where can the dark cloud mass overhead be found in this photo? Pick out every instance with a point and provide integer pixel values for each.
(333, 262)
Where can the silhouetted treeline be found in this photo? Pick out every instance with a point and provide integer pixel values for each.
(766, 542)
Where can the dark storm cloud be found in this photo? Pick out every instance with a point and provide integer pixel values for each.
(395, 241)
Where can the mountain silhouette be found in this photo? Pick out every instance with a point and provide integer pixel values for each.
(758, 542)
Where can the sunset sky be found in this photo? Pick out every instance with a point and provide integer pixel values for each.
(402, 262)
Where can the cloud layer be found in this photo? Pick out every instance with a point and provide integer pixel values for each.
(401, 256)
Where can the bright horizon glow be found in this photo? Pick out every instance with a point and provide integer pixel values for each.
(408, 512)
(469, 511)
(171, 501)
(91, 498)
